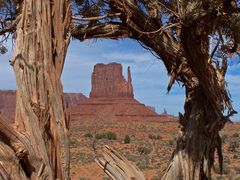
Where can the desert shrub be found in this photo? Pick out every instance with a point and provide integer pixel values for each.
(99, 136)
(221, 178)
(236, 177)
(82, 178)
(217, 169)
(127, 139)
(235, 156)
(107, 135)
(224, 138)
(226, 169)
(106, 178)
(144, 150)
(84, 157)
(235, 135)
(143, 163)
(88, 135)
(72, 141)
(233, 145)
(172, 142)
(226, 160)
(154, 137)
(155, 178)
(110, 135)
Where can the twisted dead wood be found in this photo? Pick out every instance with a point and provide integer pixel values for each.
(117, 166)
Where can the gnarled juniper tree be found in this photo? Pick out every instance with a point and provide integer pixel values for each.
(194, 39)
(37, 148)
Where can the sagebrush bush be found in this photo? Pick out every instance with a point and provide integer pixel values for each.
(235, 135)
(144, 150)
(127, 139)
(154, 137)
(88, 135)
(107, 135)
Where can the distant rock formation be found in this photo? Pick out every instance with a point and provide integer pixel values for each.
(111, 98)
(151, 108)
(73, 99)
(8, 102)
(108, 81)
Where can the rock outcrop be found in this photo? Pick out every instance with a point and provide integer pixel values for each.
(108, 81)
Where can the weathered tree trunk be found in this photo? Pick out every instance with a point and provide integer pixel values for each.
(42, 38)
(193, 157)
(203, 119)
(11, 152)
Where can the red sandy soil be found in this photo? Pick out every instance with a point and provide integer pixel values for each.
(158, 152)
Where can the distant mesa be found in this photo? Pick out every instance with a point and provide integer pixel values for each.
(72, 99)
(8, 102)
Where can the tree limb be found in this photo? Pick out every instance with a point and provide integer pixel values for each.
(13, 139)
(96, 18)
(118, 167)
(100, 30)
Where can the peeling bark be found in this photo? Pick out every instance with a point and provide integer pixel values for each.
(118, 167)
(42, 38)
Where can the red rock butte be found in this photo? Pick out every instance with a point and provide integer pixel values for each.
(111, 97)
(108, 81)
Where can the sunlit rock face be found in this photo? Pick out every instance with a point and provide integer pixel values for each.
(108, 81)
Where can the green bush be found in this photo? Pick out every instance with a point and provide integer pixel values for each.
(235, 156)
(88, 135)
(224, 138)
(108, 135)
(155, 178)
(127, 139)
(99, 136)
(171, 142)
(154, 137)
(143, 150)
(233, 145)
(72, 141)
(235, 135)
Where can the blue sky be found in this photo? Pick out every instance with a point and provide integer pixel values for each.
(149, 76)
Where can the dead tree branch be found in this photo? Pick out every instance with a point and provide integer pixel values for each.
(118, 167)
